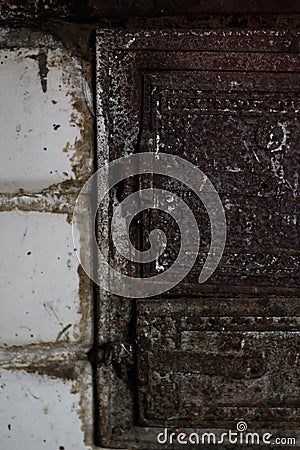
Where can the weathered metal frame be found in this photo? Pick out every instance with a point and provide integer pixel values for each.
(122, 58)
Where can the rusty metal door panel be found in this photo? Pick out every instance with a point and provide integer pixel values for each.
(242, 129)
(204, 355)
(222, 358)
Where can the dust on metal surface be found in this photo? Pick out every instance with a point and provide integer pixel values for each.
(206, 361)
(242, 130)
(228, 101)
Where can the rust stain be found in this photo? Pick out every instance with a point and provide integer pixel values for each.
(63, 331)
(80, 386)
(81, 151)
(44, 201)
(43, 69)
(82, 119)
(52, 369)
(41, 58)
(85, 307)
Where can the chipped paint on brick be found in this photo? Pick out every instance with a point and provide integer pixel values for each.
(61, 390)
(52, 130)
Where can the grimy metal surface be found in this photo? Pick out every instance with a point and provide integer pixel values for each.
(212, 354)
(96, 9)
(205, 361)
(242, 129)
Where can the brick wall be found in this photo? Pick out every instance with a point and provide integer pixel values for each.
(46, 148)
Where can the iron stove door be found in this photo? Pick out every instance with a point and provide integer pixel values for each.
(203, 356)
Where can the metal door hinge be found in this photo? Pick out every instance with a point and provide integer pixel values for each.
(120, 355)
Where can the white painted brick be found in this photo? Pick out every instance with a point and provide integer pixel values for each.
(35, 155)
(41, 292)
(42, 412)
(39, 280)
